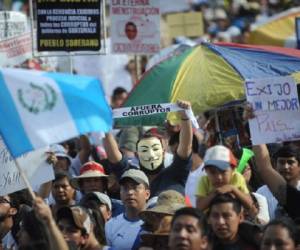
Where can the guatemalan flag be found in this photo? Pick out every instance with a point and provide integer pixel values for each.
(39, 108)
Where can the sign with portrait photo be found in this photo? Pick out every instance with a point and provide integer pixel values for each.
(135, 27)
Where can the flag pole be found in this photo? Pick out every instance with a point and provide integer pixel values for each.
(25, 179)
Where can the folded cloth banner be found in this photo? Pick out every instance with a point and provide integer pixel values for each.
(151, 109)
(39, 108)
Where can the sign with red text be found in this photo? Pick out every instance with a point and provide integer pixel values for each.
(276, 106)
(135, 26)
(15, 50)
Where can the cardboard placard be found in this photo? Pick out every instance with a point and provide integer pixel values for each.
(276, 107)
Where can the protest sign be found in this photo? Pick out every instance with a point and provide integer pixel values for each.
(33, 164)
(68, 25)
(189, 24)
(135, 27)
(12, 24)
(276, 106)
(15, 50)
(297, 27)
(151, 109)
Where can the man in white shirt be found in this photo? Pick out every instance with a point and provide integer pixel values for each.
(122, 231)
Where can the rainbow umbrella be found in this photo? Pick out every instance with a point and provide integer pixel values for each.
(278, 30)
(209, 76)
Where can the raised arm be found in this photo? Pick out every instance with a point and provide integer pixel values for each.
(114, 155)
(269, 175)
(184, 149)
(85, 149)
(43, 211)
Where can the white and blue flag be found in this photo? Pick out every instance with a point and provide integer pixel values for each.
(39, 108)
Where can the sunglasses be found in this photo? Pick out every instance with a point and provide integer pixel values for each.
(4, 200)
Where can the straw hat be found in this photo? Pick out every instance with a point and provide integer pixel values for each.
(90, 169)
(167, 203)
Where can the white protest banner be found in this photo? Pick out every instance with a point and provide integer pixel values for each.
(276, 107)
(15, 50)
(151, 109)
(12, 23)
(33, 164)
(135, 26)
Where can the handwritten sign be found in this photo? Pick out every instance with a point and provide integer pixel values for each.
(12, 23)
(135, 27)
(34, 165)
(15, 50)
(276, 107)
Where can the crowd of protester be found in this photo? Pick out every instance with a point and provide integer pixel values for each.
(171, 187)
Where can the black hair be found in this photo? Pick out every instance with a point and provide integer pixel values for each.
(194, 212)
(174, 138)
(287, 151)
(60, 174)
(118, 91)
(131, 24)
(289, 225)
(37, 231)
(20, 197)
(97, 219)
(226, 198)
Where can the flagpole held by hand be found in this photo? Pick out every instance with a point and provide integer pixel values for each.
(26, 181)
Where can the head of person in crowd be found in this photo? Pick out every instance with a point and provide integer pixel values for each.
(127, 141)
(158, 240)
(59, 157)
(92, 178)
(174, 142)
(9, 205)
(97, 219)
(71, 147)
(119, 95)
(131, 30)
(62, 191)
(102, 201)
(166, 204)
(188, 230)
(287, 162)
(281, 234)
(219, 164)
(76, 225)
(150, 153)
(225, 216)
(33, 233)
(134, 190)
(171, 128)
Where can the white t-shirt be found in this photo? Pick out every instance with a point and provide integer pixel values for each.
(263, 212)
(191, 183)
(121, 233)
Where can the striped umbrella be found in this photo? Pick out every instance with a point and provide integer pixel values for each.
(209, 76)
